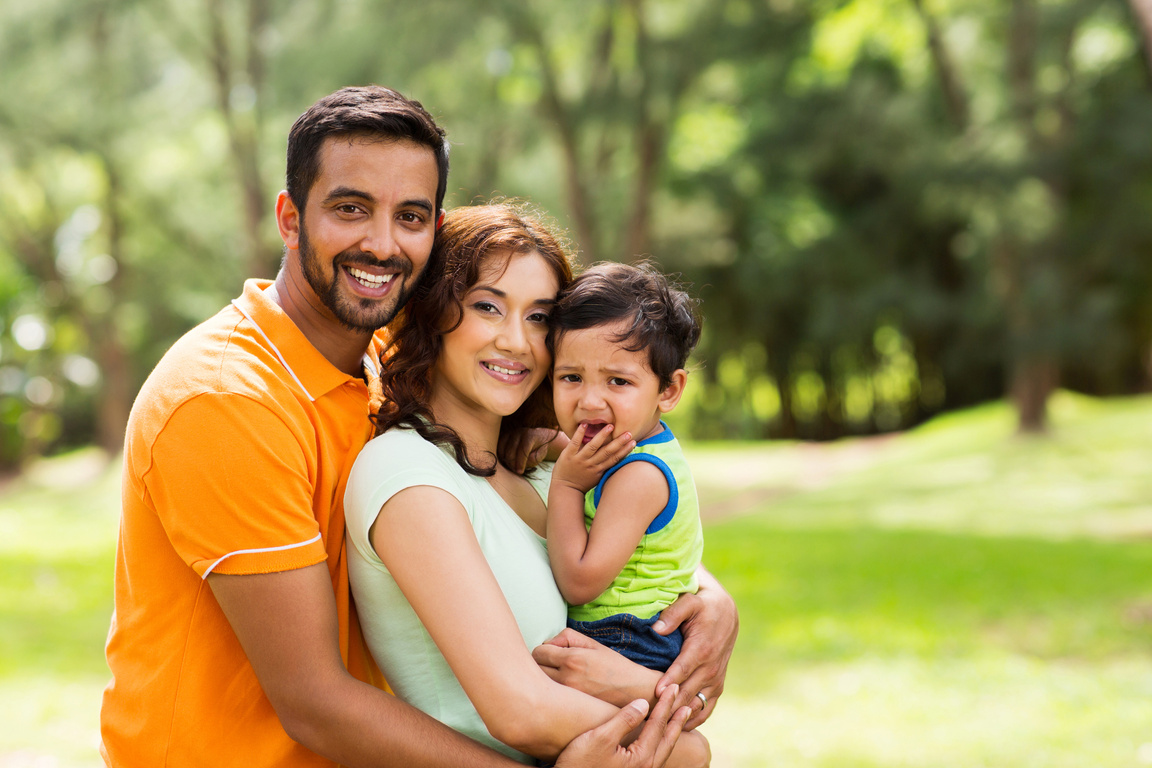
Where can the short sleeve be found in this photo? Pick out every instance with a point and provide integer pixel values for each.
(231, 483)
(388, 464)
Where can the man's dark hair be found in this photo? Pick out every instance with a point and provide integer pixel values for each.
(370, 111)
(661, 319)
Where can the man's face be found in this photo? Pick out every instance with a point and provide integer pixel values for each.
(367, 228)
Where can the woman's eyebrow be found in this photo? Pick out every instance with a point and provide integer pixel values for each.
(503, 294)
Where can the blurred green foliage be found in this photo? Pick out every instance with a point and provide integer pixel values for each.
(890, 208)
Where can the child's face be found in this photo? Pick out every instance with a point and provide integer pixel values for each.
(595, 381)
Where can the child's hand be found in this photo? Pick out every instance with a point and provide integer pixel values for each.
(581, 465)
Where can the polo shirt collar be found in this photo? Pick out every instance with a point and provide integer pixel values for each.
(310, 369)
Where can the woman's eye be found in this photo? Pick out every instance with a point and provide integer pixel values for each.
(538, 317)
(485, 306)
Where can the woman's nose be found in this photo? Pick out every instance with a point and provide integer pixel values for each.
(513, 336)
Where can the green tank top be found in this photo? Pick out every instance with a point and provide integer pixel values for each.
(663, 565)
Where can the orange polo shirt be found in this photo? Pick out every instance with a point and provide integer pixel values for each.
(236, 456)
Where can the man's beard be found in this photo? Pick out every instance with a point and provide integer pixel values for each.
(355, 313)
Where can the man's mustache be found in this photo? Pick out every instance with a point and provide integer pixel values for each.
(362, 259)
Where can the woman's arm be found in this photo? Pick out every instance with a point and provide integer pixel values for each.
(463, 608)
(286, 623)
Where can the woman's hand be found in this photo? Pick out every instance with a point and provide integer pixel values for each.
(524, 448)
(580, 662)
(709, 622)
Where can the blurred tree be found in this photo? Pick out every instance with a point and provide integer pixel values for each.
(890, 207)
(954, 211)
(229, 42)
(68, 167)
(611, 77)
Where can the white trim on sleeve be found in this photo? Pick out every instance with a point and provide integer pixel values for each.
(257, 551)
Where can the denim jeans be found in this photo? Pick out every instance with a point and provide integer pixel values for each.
(634, 638)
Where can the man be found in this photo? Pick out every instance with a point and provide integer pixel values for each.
(233, 640)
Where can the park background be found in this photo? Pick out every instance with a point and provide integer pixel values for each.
(921, 233)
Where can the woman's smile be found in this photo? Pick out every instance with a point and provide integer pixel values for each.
(506, 370)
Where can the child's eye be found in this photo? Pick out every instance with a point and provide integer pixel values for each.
(571, 378)
(619, 382)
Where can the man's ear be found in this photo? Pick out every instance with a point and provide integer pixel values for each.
(673, 392)
(288, 220)
(440, 220)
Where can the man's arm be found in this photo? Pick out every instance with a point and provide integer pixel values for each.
(286, 623)
(709, 622)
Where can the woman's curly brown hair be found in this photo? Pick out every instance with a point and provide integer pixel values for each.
(467, 238)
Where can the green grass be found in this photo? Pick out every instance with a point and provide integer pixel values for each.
(57, 543)
(956, 596)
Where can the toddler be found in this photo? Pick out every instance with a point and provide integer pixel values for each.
(624, 539)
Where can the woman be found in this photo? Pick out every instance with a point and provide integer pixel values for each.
(448, 562)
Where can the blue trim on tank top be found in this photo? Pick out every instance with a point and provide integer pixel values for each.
(661, 520)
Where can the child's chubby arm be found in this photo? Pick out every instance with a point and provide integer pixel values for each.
(586, 560)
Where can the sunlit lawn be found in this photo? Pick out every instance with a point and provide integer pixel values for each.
(955, 596)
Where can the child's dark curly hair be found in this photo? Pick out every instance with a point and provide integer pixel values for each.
(662, 318)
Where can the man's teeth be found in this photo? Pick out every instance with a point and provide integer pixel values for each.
(369, 280)
(500, 369)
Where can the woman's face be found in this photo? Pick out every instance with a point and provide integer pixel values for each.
(497, 356)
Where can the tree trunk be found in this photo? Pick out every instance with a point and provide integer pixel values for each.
(558, 114)
(243, 129)
(786, 427)
(1033, 381)
(116, 391)
(955, 98)
(1143, 12)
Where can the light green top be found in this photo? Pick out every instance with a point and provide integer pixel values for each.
(411, 662)
(663, 566)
